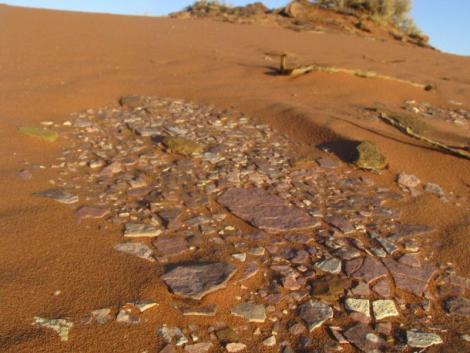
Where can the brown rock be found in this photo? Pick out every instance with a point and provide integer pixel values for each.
(171, 246)
(458, 306)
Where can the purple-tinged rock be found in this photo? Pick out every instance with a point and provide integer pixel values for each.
(363, 337)
(341, 223)
(315, 313)
(265, 211)
(196, 281)
(458, 306)
(371, 270)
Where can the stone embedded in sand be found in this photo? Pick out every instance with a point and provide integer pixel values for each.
(102, 316)
(358, 305)
(270, 341)
(315, 313)
(125, 316)
(46, 135)
(84, 212)
(136, 249)
(364, 338)
(410, 279)
(382, 288)
(132, 102)
(58, 195)
(132, 230)
(384, 308)
(202, 347)
(332, 265)
(328, 163)
(408, 180)
(250, 312)
(25, 174)
(60, 326)
(370, 270)
(196, 281)
(235, 347)
(418, 339)
(369, 157)
(227, 335)
(143, 304)
(181, 145)
(458, 306)
(147, 131)
(265, 211)
(434, 189)
(171, 246)
(341, 223)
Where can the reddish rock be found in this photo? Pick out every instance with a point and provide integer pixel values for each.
(371, 270)
(171, 246)
(265, 211)
(341, 223)
(410, 279)
(458, 306)
(382, 288)
(364, 338)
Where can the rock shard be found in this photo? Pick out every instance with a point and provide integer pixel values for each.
(197, 280)
(265, 211)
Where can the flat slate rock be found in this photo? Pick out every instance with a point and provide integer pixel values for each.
(265, 211)
(84, 212)
(171, 246)
(132, 230)
(315, 313)
(196, 281)
(410, 279)
(370, 270)
(250, 312)
(58, 195)
(136, 249)
(364, 338)
(418, 339)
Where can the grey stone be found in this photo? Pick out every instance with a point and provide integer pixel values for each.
(132, 230)
(58, 195)
(418, 339)
(384, 308)
(136, 249)
(60, 326)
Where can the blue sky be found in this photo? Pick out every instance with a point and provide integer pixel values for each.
(446, 21)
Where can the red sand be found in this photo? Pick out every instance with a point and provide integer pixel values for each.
(55, 63)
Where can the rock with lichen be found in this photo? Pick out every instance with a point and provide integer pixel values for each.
(369, 157)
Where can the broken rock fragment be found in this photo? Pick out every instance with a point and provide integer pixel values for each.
(417, 339)
(315, 313)
(58, 195)
(196, 281)
(136, 249)
(60, 326)
(265, 211)
(250, 312)
(132, 230)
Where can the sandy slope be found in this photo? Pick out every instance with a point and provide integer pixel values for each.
(53, 63)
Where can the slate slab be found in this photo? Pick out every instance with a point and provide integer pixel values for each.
(266, 211)
(197, 280)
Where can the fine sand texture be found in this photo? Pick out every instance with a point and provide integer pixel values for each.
(55, 63)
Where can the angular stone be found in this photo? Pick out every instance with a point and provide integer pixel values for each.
(202, 347)
(297, 329)
(408, 180)
(58, 195)
(315, 313)
(358, 305)
(250, 312)
(403, 231)
(85, 212)
(171, 246)
(270, 341)
(370, 270)
(170, 333)
(410, 279)
(227, 335)
(132, 230)
(125, 316)
(60, 326)
(102, 316)
(364, 338)
(458, 306)
(341, 223)
(369, 157)
(332, 265)
(196, 281)
(265, 211)
(111, 169)
(384, 308)
(133, 102)
(136, 249)
(382, 288)
(418, 339)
